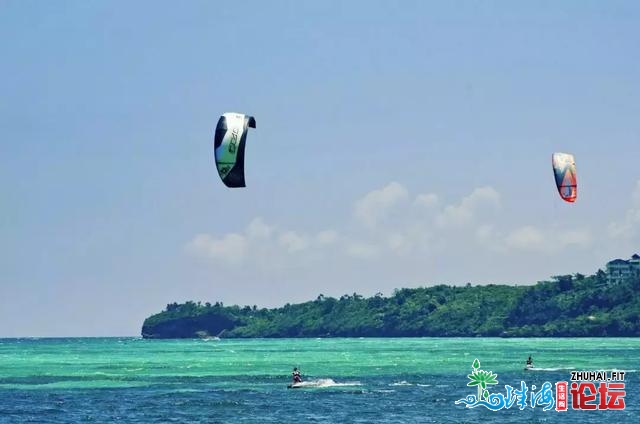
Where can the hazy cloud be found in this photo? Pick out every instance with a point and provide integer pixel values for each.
(427, 200)
(231, 248)
(535, 239)
(415, 234)
(293, 242)
(526, 238)
(376, 204)
(361, 250)
(326, 237)
(464, 212)
(628, 228)
(258, 229)
(580, 238)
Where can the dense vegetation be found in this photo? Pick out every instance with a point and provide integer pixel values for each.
(569, 305)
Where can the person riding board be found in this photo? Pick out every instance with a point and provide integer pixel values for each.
(529, 361)
(297, 378)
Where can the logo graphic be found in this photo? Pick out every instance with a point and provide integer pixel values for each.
(480, 379)
(583, 392)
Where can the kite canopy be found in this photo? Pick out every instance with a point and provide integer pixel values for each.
(564, 169)
(230, 139)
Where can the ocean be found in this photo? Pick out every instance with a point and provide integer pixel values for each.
(349, 380)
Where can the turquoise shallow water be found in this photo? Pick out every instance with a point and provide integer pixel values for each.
(360, 380)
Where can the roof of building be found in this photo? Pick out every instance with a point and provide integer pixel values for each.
(617, 262)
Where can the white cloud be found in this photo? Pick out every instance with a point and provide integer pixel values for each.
(405, 239)
(361, 250)
(526, 238)
(326, 237)
(485, 232)
(579, 238)
(425, 228)
(628, 228)
(231, 248)
(550, 241)
(399, 243)
(376, 204)
(258, 229)
(293, 242)
(264, 247)
(635, 197)
(464, 213)
(428, 201)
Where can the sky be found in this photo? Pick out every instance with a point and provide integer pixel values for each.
(398, 144)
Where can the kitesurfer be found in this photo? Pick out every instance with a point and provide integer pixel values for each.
(297, 378)
(529, 361)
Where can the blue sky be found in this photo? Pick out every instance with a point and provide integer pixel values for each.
(398, 144)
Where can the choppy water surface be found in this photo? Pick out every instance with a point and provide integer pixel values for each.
(236, 381)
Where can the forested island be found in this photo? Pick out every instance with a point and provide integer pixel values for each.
(565, 306)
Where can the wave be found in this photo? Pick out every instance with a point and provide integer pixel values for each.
(551, 369)
(401, 383)
(327, 382)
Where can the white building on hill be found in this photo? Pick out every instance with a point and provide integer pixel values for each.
(619, 270)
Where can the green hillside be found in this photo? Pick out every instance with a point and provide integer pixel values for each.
(566, 306)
